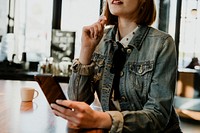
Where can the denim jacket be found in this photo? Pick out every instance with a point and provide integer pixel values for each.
(147, 82)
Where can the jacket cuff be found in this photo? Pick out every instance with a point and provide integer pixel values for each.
(117, 121)
(85, 70)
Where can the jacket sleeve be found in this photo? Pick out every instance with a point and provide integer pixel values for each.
(80, 85)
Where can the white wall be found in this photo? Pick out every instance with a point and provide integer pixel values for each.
(76, 14)
(3, 16)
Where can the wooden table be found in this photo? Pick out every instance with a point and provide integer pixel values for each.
(187, 107)
(30, 117)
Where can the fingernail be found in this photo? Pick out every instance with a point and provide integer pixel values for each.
(58, 101)
(104, 17)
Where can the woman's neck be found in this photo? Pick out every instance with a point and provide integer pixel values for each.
(125, 27)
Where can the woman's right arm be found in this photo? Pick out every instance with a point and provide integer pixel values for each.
(79, 88)
(91, 36)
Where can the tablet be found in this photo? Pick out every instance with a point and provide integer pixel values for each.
(50, 87)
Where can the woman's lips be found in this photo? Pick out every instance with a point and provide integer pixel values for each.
(116, 2)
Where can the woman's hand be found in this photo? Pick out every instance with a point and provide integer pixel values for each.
(91, 36)
(80, 115)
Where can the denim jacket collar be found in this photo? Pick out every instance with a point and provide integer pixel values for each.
(137, 40)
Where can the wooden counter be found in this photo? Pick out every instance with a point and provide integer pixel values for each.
(30, 117)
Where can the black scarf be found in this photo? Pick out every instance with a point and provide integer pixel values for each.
(119, 59)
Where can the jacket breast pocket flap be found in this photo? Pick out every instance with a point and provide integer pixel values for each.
(141, 68)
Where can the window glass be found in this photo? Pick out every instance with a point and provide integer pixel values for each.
(3, 17)
(33, 22)
(76, 14)
(189, 46)
(172, 18)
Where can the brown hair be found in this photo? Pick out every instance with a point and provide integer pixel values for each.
(146, 14)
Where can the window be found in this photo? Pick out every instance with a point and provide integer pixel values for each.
(189, 45)
(3, 17)
(33, 23)
(76, 14)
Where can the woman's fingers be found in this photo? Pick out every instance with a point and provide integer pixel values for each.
(73, 114)
(73, 125)
(74, 105)
(100, 26)
(103, 20)
(79, 115)
(65, 113)
(96, 30)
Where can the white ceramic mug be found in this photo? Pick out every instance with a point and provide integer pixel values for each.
(28, 94)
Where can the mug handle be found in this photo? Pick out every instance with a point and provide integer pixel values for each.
(37, 93)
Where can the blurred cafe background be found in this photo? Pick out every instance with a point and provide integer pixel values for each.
(43, 36)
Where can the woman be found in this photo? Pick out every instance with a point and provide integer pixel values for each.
(131, 66)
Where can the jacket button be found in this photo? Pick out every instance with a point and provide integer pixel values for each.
(121, 73)
(109, 65)
(123, 99)
(101, 62)
(128, 50)
(140, 69)
(96, 67)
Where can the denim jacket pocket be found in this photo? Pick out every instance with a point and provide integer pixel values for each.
(140, 68)
(140, 74)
